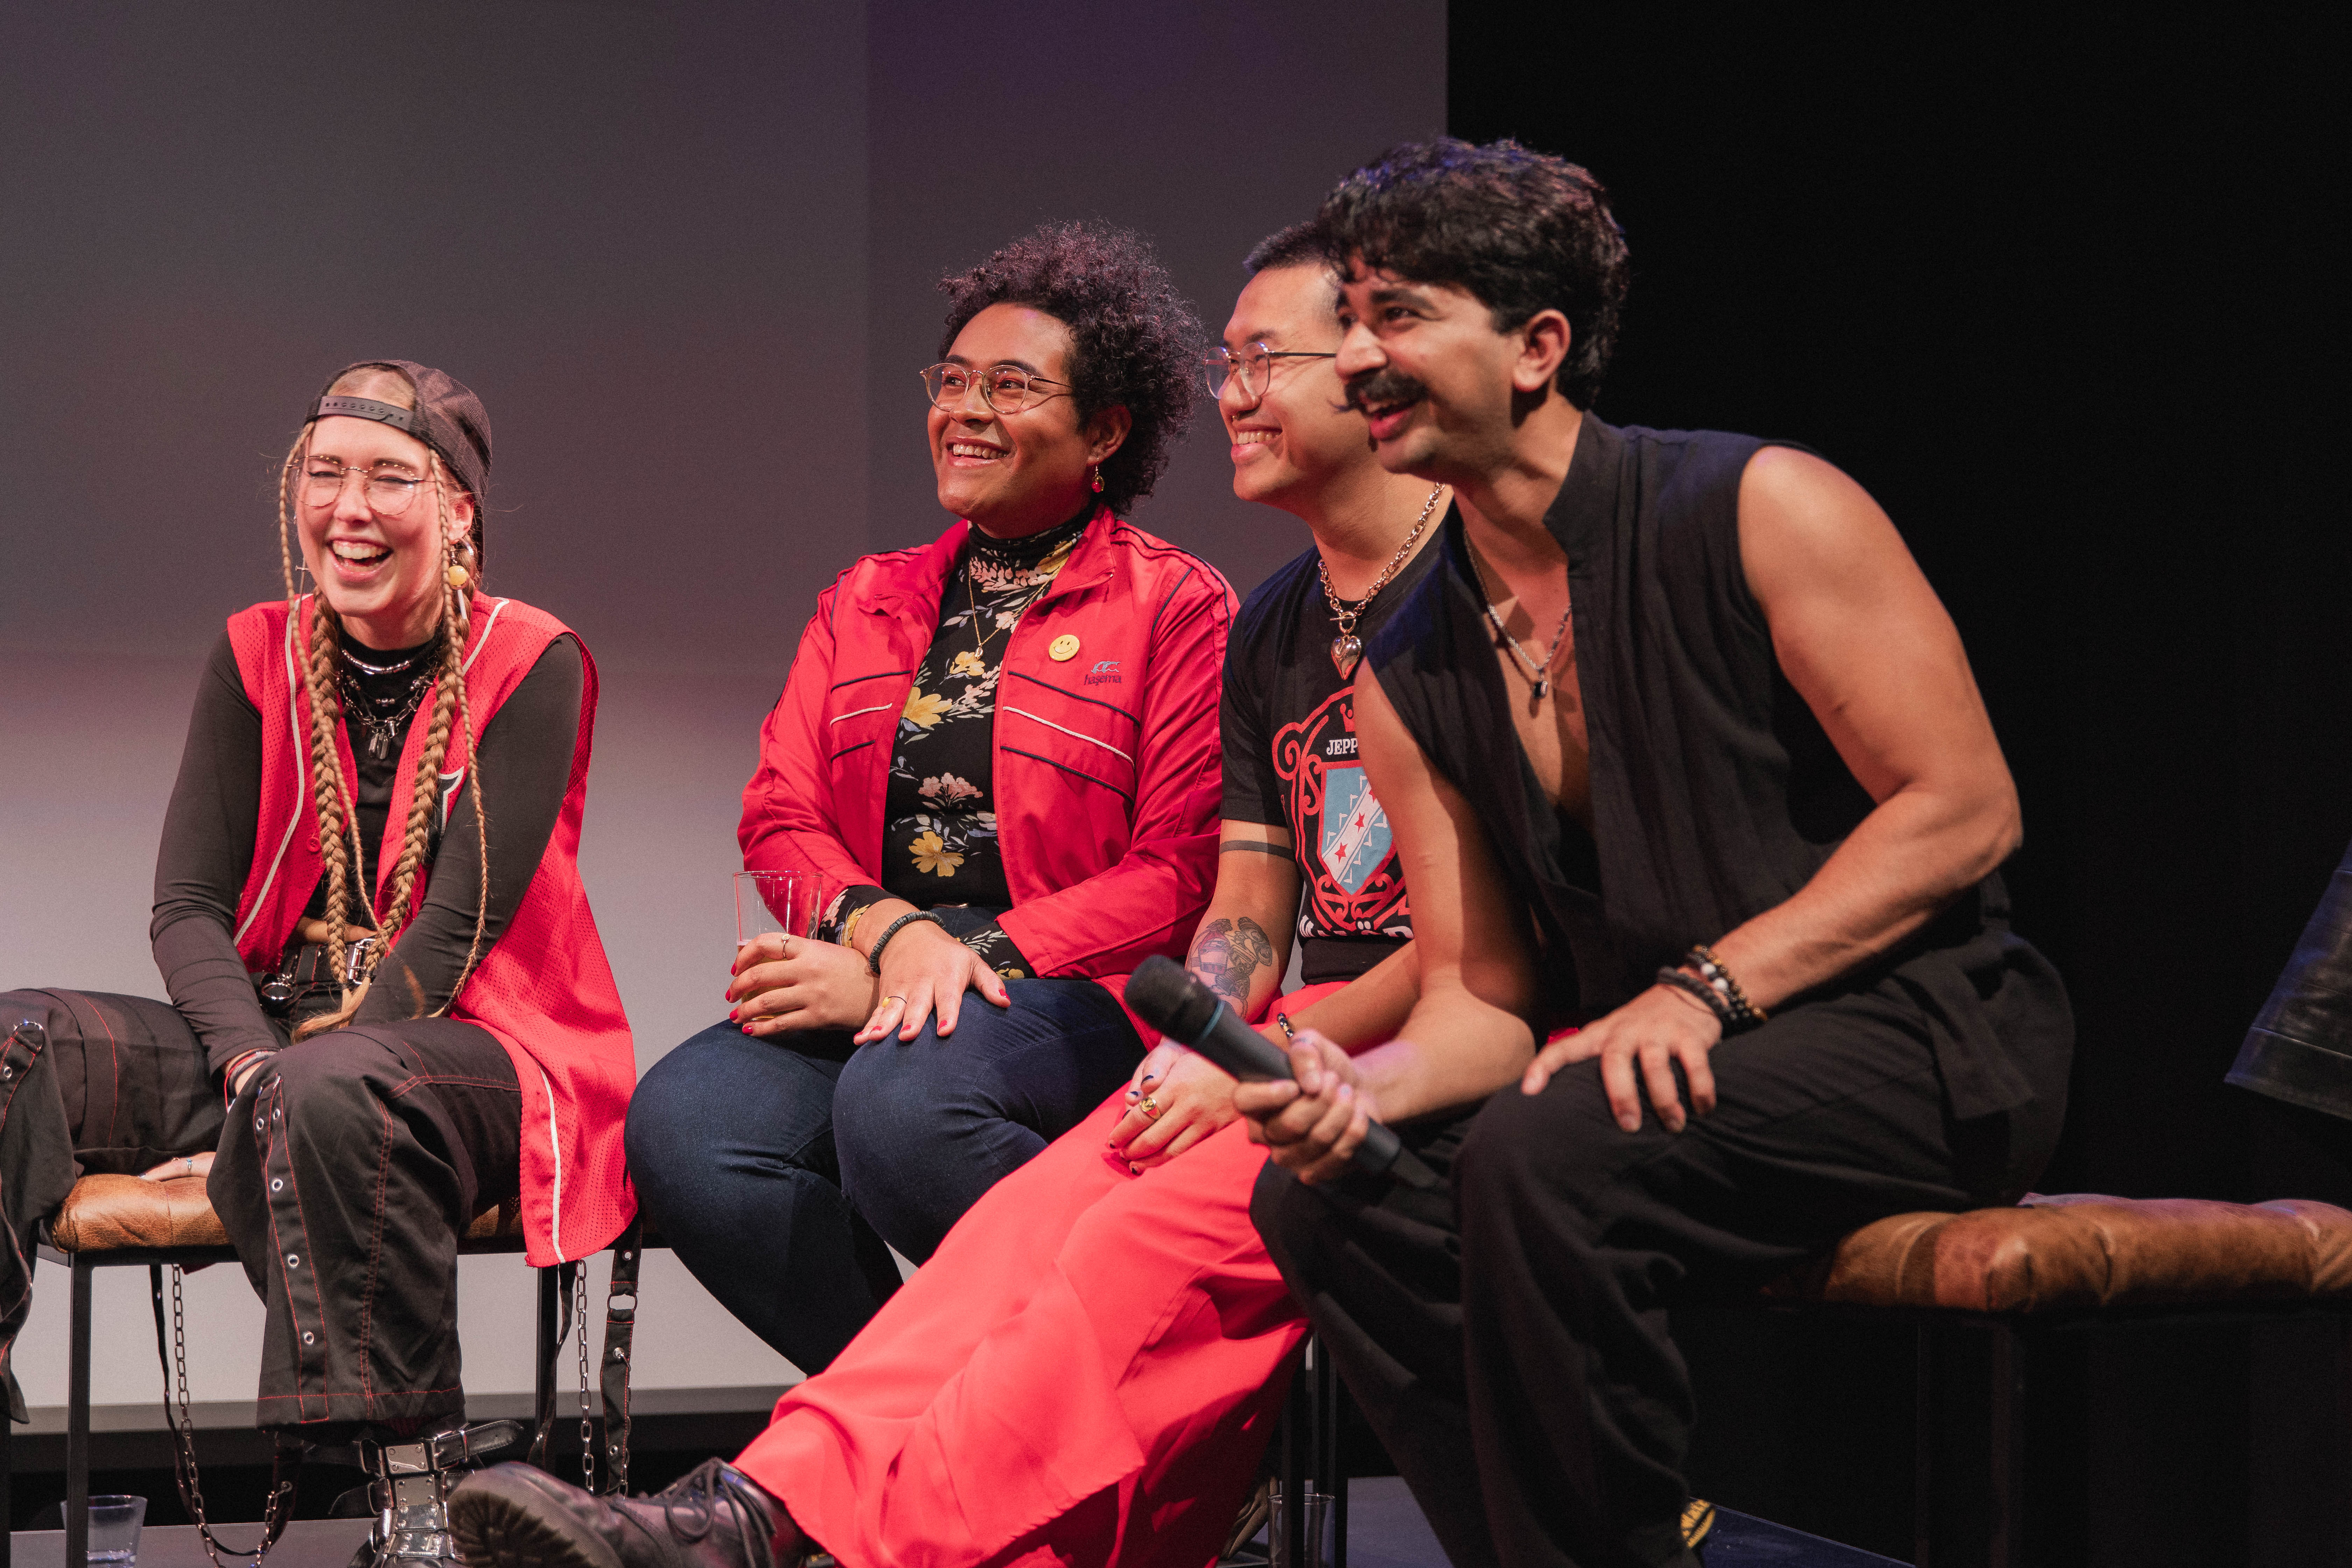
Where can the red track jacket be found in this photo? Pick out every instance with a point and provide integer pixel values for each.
(1107, 769)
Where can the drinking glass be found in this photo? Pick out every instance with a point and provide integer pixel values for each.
(114, 1522)
(1277, 1532)
(766, 901)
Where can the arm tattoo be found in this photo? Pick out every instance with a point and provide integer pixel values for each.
(1280, 851)
(1228, 954)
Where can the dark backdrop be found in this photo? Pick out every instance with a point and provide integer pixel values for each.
(2060, 297)
(2060, 294)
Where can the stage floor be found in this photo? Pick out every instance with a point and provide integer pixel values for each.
(1385, 1530)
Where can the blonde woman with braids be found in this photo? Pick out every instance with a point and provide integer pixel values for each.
(389, 1010)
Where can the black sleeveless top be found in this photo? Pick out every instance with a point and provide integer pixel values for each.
(1716, 793)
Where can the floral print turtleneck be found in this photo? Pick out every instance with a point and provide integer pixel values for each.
(939, 837)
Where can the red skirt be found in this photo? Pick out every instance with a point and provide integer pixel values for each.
(1084, 1373)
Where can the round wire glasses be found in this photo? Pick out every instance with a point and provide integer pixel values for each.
(388, 493)
(1005, 388)
(1254, 365)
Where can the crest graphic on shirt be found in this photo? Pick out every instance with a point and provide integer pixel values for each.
(1354, 888)
(1355, 828)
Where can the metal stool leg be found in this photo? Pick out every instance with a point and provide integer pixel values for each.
(1330, 1469)
(1297, 1444)
(78, 1421)
(7, 1474)
(550, 1303)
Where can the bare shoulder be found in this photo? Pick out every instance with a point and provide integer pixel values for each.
(1805, 524)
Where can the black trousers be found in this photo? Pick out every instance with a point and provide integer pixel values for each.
(1506, 1334)
(344, 1175)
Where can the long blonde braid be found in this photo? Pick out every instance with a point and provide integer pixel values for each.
(457, 614)
(449, 701)
(329, 790)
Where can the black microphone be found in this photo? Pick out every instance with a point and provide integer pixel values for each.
(1164, 997)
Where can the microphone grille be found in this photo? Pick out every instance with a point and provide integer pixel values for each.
(1164, 997)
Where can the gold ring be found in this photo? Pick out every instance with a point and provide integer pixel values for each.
(1149, 1108)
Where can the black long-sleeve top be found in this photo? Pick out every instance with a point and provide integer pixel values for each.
(525, 762)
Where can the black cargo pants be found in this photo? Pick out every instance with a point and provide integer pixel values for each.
(344, 1174)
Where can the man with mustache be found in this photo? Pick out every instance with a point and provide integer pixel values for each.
(1679, 745)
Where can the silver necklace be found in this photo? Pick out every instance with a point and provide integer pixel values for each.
(356, 662)
(1347, 648)
(381, 729)
(1540, 674)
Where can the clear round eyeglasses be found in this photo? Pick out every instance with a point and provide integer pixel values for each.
(1005, 388)
(1254, 365)
(388, 493)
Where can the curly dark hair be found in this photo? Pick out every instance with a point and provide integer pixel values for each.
(1522, 231)
(1133, 339)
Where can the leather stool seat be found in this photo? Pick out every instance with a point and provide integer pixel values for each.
(111, 1213)
(2084, 1252)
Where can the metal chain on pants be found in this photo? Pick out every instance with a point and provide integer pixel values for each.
(278, 1510)
(587, 1428)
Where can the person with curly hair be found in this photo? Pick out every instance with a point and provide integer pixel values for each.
(390, 1011)
(994, 767)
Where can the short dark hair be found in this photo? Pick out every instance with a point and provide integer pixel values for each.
(1300, 245)
(1521, 230)
(1133, 339)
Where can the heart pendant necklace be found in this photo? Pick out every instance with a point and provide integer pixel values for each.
(1348, 649)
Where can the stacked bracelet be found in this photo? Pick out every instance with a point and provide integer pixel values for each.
(1692, 986)
(874, 955)
(1731, 1001)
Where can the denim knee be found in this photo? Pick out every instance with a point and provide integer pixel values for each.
(668, 1132)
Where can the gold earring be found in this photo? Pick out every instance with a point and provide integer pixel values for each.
(455, 575)
(1097, 479)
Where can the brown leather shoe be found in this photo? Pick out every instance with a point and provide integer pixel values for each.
(517, 1516)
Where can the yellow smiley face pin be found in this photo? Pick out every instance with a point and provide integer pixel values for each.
(1062, 648)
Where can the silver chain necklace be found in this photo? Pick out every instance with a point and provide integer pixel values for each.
(1347, 648)
(1540, 674)
(356, 662)
(381, 729)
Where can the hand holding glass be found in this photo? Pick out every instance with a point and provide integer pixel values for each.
(768, 901)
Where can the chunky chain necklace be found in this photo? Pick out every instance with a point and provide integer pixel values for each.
(1348, 647)
(1540, 674)
(376, 715)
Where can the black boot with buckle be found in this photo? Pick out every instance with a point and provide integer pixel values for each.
(409, 1486)
(516, 1516)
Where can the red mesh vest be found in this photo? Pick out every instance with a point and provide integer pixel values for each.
(543, 990)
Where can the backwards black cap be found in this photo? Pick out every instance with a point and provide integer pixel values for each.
(447, 417)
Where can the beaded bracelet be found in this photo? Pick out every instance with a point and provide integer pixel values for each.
(1691, 984)
(1289, 1032)
(874, 955)
(1717, 975)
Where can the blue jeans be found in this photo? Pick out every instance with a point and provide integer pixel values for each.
(763, 1161)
